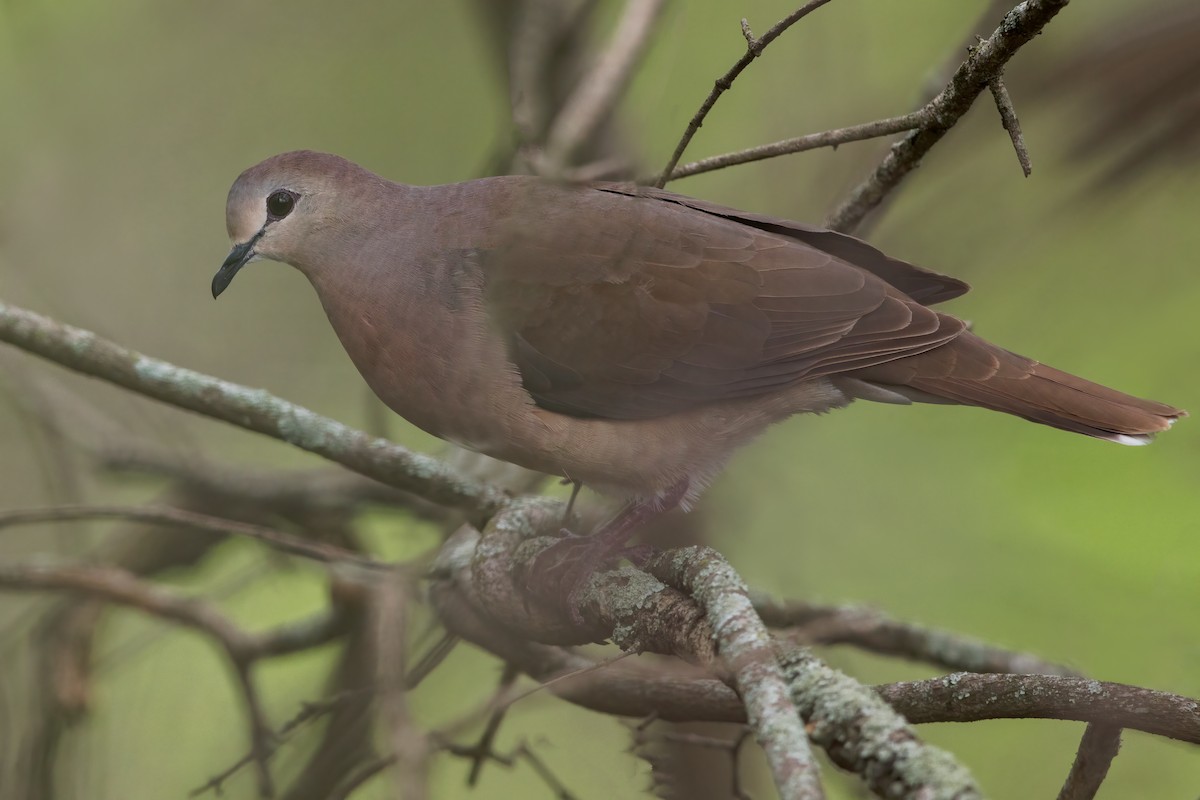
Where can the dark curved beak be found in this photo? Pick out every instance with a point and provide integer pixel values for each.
(239, 257)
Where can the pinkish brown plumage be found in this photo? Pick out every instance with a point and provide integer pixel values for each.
(626, 337)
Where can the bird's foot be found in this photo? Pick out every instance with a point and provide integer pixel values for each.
(562, 569)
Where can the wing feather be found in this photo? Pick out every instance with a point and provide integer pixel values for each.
(625, 306)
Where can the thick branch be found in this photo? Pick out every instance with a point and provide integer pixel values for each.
(965, 697)
(474, 581)
(746, 649)
(252, 409)
(632, 690)
(862, 733)
(1097, 750)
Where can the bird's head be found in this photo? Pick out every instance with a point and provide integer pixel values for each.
(274, 207)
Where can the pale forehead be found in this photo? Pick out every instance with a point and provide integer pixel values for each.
(245, 208)
(245, 211)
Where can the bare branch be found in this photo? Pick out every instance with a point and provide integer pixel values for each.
(754, 48)
(982, 66)
(252, 409)
(1008, 118)
(487, 739)
(873, 631)
(746, 649)
(1097, 750)
(812, 141)
(296, 493)
(409, 745)
(523, 752)
(308, 712)
(966, 697)
(119, 586)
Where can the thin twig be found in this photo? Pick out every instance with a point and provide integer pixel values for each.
(800, 144)
(297, 493)
(754, 48)
(119, 586)
(309, 712)
(487, 739)
(523, 752)
(877, 633)
(261, 745)
(1008, 118)
(180, 518)
(597, 94)
(355, 780)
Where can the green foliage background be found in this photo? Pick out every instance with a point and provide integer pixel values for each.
(123, 123)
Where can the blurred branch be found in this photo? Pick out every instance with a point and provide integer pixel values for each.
(1097, 750)
(294, 493)
(252, 409)
(522, 752)
(409, 745)
(309, 712)
(597, 94)
(875, 632)
(487, 739)
(180, 518)
(119, 586)
(1140, 80)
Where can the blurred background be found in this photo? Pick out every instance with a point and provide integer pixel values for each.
(124, 123)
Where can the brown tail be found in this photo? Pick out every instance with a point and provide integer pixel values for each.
(971, 371)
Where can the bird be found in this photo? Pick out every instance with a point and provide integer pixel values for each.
(625, 337)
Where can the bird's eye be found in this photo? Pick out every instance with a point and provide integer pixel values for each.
(280, 204)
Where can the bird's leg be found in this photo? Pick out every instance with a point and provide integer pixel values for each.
(576, 485)
(564, 566)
